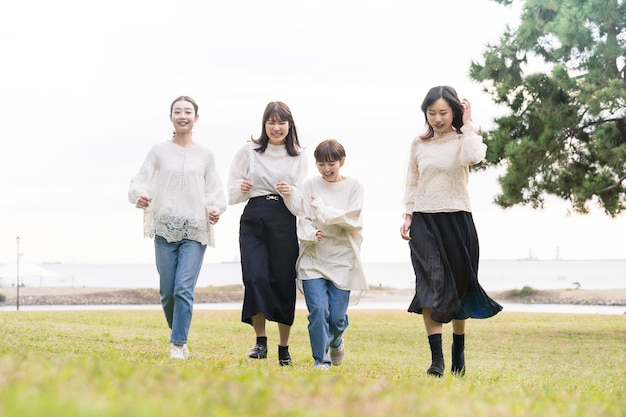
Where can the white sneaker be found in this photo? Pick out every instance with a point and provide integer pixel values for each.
(179, 352)
(322, 366)
(337, 354)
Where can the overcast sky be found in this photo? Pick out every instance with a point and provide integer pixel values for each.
(86, 88)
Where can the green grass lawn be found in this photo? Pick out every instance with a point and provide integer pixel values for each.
(115, 363)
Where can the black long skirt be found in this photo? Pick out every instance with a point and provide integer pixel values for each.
(444, 253)
(269, 249)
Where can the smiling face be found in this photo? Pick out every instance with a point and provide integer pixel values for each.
(440, 116)
(276, 129)
(330, 170)
(183, 117)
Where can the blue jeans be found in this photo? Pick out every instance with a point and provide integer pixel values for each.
(328, 320)
(178, 264)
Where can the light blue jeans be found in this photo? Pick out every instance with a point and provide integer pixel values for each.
(328, 320)
(178, 264)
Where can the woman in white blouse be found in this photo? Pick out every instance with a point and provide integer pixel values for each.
(267, 173)
(182, 196)
(439, 225)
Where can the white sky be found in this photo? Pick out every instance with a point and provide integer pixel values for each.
(86, 88)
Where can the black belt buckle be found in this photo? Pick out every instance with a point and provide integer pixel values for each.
(271, 197)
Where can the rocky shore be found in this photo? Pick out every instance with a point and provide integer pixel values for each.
(147, 296)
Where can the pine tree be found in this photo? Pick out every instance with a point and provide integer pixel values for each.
(564, 133)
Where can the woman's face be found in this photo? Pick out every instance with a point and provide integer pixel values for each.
(440, 116)
(330, 170)
(276, 130)
(183, 116)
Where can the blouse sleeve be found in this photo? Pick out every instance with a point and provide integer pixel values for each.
(348, 219)
(295, 201)
(214, 190)
(140, 184)
(473, 150)
(306, 230)
(412, 177)
(239, 171)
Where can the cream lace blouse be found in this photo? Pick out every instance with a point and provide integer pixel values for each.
(184, 186)
(438, 171)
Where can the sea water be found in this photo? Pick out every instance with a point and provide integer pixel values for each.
(494, 275)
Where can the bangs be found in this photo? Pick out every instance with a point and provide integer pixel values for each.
(329, 151)
(278, 115)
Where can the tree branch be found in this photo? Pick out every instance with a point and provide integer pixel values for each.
(614, 186)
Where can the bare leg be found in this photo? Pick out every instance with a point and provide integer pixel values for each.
(258, 323)
(432, 327)
(458, 326)
(283, 332)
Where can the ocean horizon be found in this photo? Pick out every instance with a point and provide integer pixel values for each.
(494, 275)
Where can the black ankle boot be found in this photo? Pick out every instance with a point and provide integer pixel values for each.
(436, 367)
(284, 358)
(458, 354)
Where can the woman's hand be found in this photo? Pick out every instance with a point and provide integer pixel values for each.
(405, 229)
(283, 188)
(214, 216)
(143, 202)
(245, 186)
(467, 111)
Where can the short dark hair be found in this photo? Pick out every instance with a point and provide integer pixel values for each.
(329, 150)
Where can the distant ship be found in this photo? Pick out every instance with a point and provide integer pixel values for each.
(530, 256)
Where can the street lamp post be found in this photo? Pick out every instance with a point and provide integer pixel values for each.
(18, 273)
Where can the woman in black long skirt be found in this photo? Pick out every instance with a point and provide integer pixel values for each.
(267, 173)
(439, 225)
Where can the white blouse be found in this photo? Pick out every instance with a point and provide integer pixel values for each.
(438, 171)
(264, 170)
(185, 187)
(335, 209)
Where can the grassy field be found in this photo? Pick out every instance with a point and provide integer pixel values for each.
(115, 363)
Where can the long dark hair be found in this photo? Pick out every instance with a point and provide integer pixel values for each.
(448, 94)
(277, 110)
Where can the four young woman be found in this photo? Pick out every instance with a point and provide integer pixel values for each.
(182, 196)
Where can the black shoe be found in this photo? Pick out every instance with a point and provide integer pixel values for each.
(285, 360)
(258, 352)
(458, 355)
(436, 369)
(456, 371)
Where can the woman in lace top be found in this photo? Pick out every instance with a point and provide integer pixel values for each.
(439, 226)
(267, 173)
(182, 196)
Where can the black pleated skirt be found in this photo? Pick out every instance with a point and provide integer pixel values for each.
(444, 254)
(269, 249)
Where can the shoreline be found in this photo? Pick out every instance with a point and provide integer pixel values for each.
(47, 296)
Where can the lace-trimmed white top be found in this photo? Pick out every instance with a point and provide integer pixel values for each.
(185, 187)
(438, 171)
(264, 170)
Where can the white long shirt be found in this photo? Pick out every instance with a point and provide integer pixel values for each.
(438, 171)
(264, 170)
(335, 209)
(184, 186)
